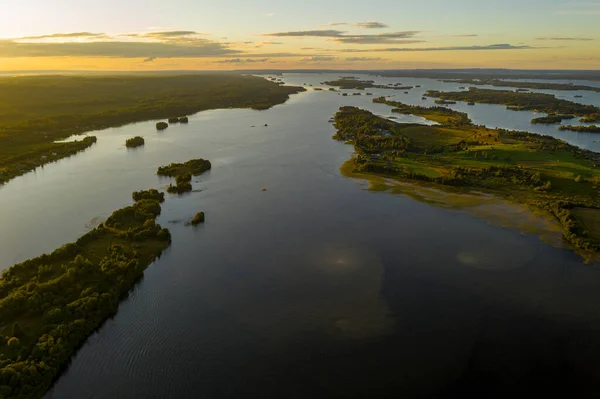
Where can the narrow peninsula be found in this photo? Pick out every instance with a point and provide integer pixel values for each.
(49, 305)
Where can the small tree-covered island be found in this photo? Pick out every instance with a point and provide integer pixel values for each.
(539, 171)
(49, 305)
(134, 142)
(182, 172)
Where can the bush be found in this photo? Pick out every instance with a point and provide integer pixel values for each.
(198, 218)
(162, 125)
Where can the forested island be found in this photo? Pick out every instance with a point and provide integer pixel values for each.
(518, 101)
(182, 172)
(552, 119)
(36, 111)
(523, 84)
(134, 142)
(50, 304)
(350, 83)
(539, 171)
(581, 129)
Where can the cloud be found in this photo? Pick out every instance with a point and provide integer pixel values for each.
(241, 61)
(266, 43)
(319, 58)
(466, 35)
(195, 49)
(367, 39)
(565, 39)
(150, 59)
(371, 25)
(336, 24)
(74, 35)
(341, 36)
(308, 33)
(452, 48)
(362, 59)
(173, 33)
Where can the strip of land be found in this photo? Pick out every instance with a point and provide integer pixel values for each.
(519, 101)
(36, 111)
(49, 305)
(524, 84)
(349, 83)
(536, 170)
(581, 129)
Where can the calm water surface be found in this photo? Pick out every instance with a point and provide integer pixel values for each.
(315, 287)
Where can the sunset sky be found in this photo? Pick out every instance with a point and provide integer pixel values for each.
(324, 34)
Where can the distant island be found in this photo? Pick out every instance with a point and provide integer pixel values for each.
(518, 101)
(134, 142)
(562, 179)
(349, 83)
(50, 304)
(552, 119)
(523, 85)
(30, 129)
(581, 129)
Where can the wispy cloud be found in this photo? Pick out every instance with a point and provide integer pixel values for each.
(319, 58)
(242, 61)
(362, 25)
(363, 59)
(566, 39)
(371, 25)
(74, 35)
(466, 35)
(308, 33)
(200, 48)
(451, 48)
(342, 36)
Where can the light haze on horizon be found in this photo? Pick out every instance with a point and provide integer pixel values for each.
(236, 34)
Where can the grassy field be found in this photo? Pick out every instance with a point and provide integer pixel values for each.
(590, 220)
(35, 111)
(527, 168)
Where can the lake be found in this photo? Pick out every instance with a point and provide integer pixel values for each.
(315, 287)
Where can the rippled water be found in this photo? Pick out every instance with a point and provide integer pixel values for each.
(315, 287)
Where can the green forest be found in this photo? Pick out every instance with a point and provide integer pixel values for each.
(36, 111)
(49, 305)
